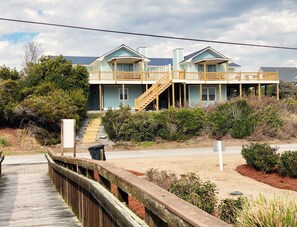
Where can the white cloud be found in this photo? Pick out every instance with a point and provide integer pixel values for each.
(270, 22)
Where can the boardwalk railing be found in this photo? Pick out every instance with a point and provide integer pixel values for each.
(86, 186)
(1, 160)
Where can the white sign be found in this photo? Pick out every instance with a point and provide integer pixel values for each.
(68, 133)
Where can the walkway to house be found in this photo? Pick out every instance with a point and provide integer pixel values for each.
(27, 198)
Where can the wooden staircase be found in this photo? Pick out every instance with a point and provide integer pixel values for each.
(153, 92)
(91, 132)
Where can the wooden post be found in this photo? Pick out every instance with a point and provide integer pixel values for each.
(277, 91)
(62, 138)
(146, 87)
(220, 92)
(153, 220)
(259, 91)
(201, 95)
(240, 91)
(123, 94)
(173, 96)
(168, 97)
(157, 99)
(115, 70)
(100, 98)
(204, 65)
(185, 94)
(180, 98)
(141, 69)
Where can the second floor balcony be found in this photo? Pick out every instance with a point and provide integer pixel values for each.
(183, 77)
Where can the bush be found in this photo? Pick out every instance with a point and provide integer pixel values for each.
(142, 127)
(4, 142)
(260, 157)
(234, 118)
(229, 209)
(115, 123)
(288, 164)
(201, 194)
(181, 124)
(278, 211)
(163, 178)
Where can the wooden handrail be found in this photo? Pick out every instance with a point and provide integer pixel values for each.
(161, 206)
(1, 160)
(152, 91)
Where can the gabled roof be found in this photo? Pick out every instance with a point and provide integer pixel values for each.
(189, 57)
(160, 61)
(287, 74)
(76, 60)
(232, 64)
(121, 47)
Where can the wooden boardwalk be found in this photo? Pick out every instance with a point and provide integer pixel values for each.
(28, 198)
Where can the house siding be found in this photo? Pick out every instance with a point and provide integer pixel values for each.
(194, 94)
(111, 95)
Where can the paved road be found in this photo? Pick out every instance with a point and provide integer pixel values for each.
(185, 152)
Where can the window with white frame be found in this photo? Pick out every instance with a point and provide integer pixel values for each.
(208, 94)
(123, 97)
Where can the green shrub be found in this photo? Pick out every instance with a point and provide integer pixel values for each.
(234, 118)
(279, 211)
(260, 157)
(181, 124)
(142, 127)
(229, 209)
(288, 164)
(115, 123)
(201, 194)
(4, 142)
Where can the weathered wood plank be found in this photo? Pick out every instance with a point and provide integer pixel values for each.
(27, 198)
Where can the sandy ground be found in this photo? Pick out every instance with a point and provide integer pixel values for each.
(207, 168)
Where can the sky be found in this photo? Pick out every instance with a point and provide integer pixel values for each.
(269, 22)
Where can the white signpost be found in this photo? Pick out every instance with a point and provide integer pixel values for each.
(68, 135)
(219, 147)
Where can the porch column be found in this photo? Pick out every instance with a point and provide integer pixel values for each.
(115, 70)
(146, 87)
(259, 91)
(240, 91)
(220, 92)
(141, 70)
(185, 94)
(227, 69)
(173, 96)
(204, 66)
(168, 97)
(277, 91)
(180, 99)
(100, 98)
(201, 95)
(123, 93)
(157, 102)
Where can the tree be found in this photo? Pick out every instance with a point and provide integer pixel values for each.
(286, 90)
(33, 51)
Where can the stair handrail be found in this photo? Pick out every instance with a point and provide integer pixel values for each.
(151, 90)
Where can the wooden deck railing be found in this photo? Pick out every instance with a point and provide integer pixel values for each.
(81, 181)
(1, 160)
(182, 75)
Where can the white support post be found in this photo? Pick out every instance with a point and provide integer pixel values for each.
(220, 155)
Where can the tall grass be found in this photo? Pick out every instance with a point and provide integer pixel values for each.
(278, 212)
(4, 142)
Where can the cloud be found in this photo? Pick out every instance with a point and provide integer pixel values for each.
(262, 22)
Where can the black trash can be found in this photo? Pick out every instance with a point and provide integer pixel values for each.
(97, 152)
